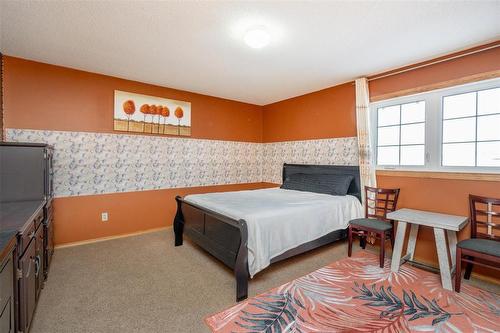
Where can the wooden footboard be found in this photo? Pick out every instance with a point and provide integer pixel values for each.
(223, 237)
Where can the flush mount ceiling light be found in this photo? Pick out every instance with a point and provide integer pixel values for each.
(257, 38)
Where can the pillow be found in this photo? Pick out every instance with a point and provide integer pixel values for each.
(318, 183)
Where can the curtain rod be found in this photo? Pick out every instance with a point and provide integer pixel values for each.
(434, 62)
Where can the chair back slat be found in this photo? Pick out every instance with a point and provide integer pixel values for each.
(489, 217)
(382, 208)
(492, 225)
(486, 236)
(487, 212)
(485, 217)
(380, 201)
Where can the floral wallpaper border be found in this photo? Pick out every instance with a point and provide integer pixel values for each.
(337, 151)
(88, 163)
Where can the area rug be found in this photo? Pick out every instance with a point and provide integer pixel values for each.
(356, 295)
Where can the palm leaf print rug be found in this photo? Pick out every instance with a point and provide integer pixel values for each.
(356, 295)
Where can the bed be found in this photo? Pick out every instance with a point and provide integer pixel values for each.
(249, 230)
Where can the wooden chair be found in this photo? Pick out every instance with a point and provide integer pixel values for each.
(483, 248)
(379, 202)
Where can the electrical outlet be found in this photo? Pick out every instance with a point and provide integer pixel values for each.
(104, 217)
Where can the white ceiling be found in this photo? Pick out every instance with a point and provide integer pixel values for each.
(197, 46)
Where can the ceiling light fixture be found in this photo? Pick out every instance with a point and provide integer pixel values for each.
(257, 38)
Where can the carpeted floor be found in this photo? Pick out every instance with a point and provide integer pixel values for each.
(145, 284)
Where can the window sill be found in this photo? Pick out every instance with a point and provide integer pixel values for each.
(495, 177)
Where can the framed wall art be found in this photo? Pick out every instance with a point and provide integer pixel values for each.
(149, 114)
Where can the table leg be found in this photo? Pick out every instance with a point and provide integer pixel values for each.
(398, 246)
(452, 244)
(412, 241)
(444, 265)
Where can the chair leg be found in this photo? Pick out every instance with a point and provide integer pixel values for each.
(382, 249)
(458, 270)
(349, 237)
(468, 269)
(362, 240)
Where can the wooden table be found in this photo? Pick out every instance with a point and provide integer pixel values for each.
(440, 223)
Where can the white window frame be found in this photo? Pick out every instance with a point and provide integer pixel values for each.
(433, 127)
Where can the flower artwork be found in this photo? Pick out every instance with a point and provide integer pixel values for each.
(148, 114)
(165, 112)
(152, 112)
(129, 109)
(145, 111)
(179, 113)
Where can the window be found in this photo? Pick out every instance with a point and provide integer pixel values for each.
(401, 134)
(471, 129)
(452, 129)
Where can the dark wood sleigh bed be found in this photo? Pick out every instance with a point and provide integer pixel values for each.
(226, 238)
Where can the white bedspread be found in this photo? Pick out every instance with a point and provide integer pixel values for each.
(279, 220)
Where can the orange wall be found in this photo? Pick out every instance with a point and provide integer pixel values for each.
(327, 113)
(439, 195)
(1, 97)
(477, 63)
(444, 196)
(41, 96)
(79, 218)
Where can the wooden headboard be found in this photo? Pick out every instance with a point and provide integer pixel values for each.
(354, 189)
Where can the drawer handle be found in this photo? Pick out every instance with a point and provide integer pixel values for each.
(37, 265)
(28, 271)
(32, 235)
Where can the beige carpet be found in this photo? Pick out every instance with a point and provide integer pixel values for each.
(145, 284)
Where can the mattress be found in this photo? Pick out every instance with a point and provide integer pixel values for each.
(279, 220)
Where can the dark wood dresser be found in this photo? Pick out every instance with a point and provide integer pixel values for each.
(26, 231)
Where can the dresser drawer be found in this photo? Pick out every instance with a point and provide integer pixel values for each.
(48, 211)
(28, 233)
(38, 219)
(27, 287)
(48, 240)
(6, 285)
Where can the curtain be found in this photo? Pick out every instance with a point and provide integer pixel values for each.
(366, 163)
